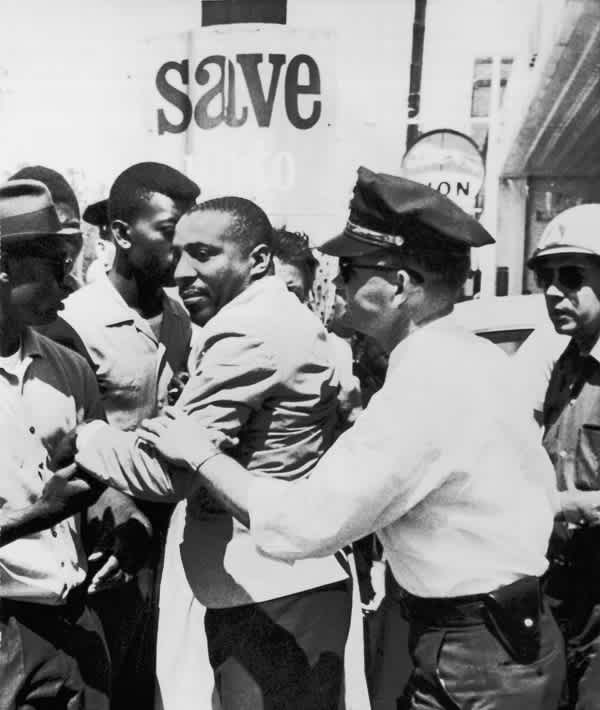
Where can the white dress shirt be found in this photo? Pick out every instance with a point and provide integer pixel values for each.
(445, 465)
(43, 396)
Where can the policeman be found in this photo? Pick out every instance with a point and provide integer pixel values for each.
(444, 464)
(567, 268)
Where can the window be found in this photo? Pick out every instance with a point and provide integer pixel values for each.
(481, 96)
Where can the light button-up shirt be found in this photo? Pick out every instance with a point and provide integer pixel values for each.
(43, 396)
(445, 464)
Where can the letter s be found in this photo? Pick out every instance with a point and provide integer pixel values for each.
(178, 98)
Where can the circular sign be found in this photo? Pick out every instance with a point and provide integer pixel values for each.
(449, 162)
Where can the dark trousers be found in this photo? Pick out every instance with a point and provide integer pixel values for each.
(579, 620)
(572, 584)
(52, 658)
(284, 654)
(467, 667)
(129, 622)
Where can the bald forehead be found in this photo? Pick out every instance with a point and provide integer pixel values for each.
(205, 226)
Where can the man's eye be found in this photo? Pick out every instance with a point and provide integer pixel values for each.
(198, 254)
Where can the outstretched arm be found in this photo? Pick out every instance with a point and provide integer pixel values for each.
(64, 495)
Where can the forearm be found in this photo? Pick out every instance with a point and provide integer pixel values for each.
(229, 483)
(64, 495)
(116, 459)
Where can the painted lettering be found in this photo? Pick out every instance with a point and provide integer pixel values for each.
(174, 96)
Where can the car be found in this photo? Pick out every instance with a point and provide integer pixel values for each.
(505, 320)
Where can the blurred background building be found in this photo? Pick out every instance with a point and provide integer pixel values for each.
(89, 93)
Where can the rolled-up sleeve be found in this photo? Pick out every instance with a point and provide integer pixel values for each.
(120, 460)
(234, 374)
(232, 378)
(371, 476)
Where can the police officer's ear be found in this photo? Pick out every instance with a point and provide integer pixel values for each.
(260, 258)
(406, 285)
(121, 233)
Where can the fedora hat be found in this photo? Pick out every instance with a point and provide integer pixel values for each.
(27, 212)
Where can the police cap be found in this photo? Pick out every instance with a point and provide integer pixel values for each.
(386, 210)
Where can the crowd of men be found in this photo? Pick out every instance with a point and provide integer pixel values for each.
(185, 471)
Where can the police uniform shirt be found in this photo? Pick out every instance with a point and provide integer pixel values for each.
(572, 418)
(445, 465)
(43, 395)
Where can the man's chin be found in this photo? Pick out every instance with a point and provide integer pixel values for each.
(564, 325)
(200, 315)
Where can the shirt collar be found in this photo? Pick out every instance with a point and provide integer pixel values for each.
(267, 284)
(595, 351)
(115, 311)
(112, 307)
(432, 328)
(31, 344)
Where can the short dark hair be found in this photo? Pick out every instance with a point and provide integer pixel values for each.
(448, 260)
(134, 187)
(293, 248)
(60, 190)
(250, 225)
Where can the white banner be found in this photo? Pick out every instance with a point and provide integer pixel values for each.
(253, 112)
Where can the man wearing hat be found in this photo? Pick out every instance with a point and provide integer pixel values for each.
(137, 337)
(443, 464)
(52, 650)
(566, 264)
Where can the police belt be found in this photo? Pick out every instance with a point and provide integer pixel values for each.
(512, 613)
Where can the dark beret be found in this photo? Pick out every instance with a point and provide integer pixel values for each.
(386, 210)
(97, 213)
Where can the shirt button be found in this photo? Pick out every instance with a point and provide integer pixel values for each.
(32, 430)
(62, 564)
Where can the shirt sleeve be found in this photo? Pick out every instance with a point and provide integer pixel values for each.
(234, 374)
(118, 459)
(371, 476)
(533, 364)
(231, 379)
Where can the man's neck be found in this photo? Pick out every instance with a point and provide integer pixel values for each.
(395, 336)
(145, 299)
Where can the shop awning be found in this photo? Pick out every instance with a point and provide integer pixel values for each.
(559, 131)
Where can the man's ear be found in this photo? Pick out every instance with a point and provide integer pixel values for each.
(120, 233)
(404, 286)
(260, 257)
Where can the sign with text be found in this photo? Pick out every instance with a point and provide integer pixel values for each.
(256, 109)
(447, 161)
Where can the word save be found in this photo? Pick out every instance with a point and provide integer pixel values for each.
(302, 78)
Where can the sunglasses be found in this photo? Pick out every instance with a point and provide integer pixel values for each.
(570, 277)
(348, 266)
(61, 267)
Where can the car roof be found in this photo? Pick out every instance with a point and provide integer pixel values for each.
(495, 313)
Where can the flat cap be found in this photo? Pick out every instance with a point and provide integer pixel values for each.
(385, 210)
(574, 231)
(27, 212)
(97, 213)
